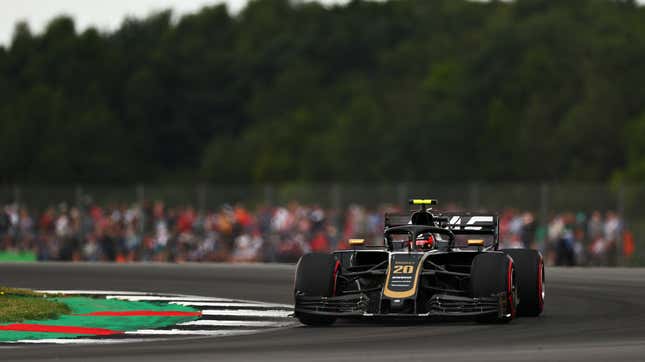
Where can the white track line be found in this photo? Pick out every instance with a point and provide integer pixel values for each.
(78, 341)
(186, 300)
(218, 323)
(247, 313)
(176, 332)
(143, 298)
(233, 304)
(89, 292)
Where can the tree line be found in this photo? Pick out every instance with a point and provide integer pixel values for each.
(433, 90)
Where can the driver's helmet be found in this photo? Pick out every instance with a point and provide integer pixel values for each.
(424, 241)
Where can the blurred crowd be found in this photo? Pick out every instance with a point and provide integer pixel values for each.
(156, 232)
(569, 238)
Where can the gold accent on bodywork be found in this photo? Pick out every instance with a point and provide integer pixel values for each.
(405, 294)
(356, 241)
(475, 242)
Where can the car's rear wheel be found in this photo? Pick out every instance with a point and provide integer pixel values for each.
(529, 267)
(491, 274)
(315, 277)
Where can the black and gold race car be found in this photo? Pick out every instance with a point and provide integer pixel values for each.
(431, 264)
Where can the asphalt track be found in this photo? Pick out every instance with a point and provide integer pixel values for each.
(590, 315)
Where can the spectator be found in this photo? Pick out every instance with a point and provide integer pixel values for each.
(153, 231)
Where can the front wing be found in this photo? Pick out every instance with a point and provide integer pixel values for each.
(439, 305)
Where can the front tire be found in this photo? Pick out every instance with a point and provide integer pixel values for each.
(493, 273)
(315, 277)
(529, 266)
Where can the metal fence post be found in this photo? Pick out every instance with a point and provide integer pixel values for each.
(474, 196)
(79, 206)
(201, 198)
(16, 195)
(336, 197)
(140, 192)
(544, 204)
(620, 209)
(402, 193)
(268, 194)
(78, 194)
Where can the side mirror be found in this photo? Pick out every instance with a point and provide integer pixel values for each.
(475, 242)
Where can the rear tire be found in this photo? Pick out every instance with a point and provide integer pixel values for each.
(493, 273)
(315, 277)
(529, 267)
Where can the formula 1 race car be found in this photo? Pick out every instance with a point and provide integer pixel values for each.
(431, 264)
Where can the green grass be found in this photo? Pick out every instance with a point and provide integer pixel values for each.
(17, 305)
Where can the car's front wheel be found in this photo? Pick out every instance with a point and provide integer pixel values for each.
(529, 266)
(491, 274)
(315, 277)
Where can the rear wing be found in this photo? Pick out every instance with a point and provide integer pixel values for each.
(460, 223)
(468, 223)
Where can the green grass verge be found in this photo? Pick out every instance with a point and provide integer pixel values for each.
(17, 256)
(80, 305)
(17, 305)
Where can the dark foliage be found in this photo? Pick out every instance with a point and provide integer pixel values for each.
(370, 91)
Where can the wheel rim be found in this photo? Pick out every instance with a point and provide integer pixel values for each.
(514, 294)
(541, 284)
(512, 291)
